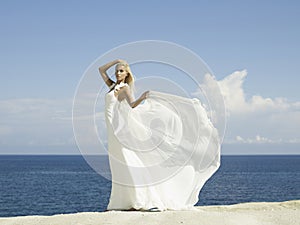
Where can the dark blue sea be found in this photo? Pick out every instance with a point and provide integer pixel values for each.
(47, 185)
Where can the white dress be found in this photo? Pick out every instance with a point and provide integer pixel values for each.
(160, 153)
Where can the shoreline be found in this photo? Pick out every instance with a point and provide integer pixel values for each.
(243, 213)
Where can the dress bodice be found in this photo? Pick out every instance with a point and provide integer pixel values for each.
(111, 99)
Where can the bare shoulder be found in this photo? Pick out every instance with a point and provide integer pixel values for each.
(125, 90)
(126, 87)
(124, 93)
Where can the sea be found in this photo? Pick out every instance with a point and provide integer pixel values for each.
(48, 185)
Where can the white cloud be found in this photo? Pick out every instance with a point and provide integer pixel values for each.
(231, 89)
(236, 101)
(254, 119)
(277, 119)
(33, 122)
(258, 139)
(5, 130)
(45, 123)
(21, 109)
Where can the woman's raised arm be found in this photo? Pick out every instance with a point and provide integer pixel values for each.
(103, 70)
(134, 103)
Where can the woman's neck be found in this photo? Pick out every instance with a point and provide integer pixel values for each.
(120, 81)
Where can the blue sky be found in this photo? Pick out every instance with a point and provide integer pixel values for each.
(47, 45)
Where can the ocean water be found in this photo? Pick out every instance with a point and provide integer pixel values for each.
(47, 185)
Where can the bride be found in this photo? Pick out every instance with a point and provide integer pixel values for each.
(161, 152)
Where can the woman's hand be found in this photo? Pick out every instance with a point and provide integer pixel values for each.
(145, 95)
(121, 61)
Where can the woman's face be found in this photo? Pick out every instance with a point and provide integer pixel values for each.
(120, 73)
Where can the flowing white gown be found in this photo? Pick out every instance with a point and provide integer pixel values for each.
(160, 153)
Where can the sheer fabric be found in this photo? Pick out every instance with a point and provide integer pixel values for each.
(161, 152)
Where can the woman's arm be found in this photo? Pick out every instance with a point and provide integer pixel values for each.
(139, 100)
(103, 70)
(134, 103)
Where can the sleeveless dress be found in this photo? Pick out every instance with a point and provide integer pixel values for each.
(160, 153)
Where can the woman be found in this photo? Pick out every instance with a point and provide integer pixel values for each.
(124, 78)
(161, 152)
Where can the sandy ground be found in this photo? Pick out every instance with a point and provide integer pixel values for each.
(247, 214)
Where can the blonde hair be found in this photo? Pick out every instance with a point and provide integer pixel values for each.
(129, 78)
